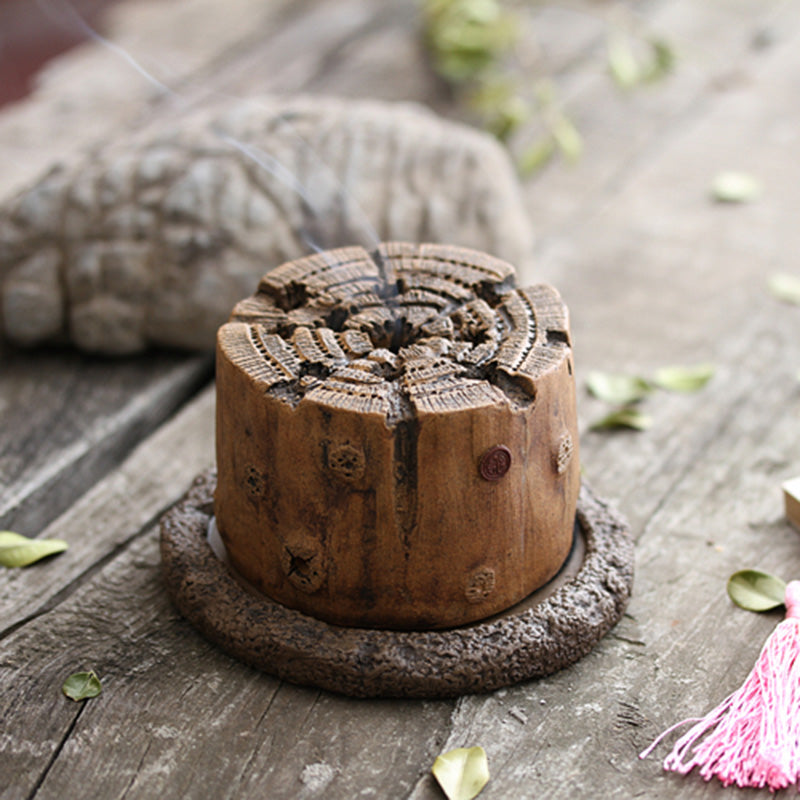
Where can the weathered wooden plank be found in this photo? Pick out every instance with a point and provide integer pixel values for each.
(702, 488)
(624, 131)
(683, 646)
(247, 48)
(114, 511)
(68, 419)
(177, 717)
(685, 290)
(170, 699)
(115, 617)
(348, 47)
(45, 462)
(592, 695)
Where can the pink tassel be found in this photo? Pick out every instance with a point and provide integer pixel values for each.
(753, 737)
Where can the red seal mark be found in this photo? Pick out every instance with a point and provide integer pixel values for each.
(495, 462)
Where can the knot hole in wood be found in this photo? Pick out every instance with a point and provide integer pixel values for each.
(302, 562)
(346, 461)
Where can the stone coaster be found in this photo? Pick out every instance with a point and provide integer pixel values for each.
(548, 631)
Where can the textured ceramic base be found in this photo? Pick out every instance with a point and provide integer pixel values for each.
(548, 631)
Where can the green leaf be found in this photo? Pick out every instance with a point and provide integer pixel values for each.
(628, 70)
(481, 11)
(535, 156)
(621, 390)
(467, 37)
(507, 118)
(499, 102)
(492, 94)
(735, 187)
(462, 772)
(81, 685)
(785, 287)
(756, 591)
(17, 550)
(458, 67)
(624, 418)
(684, 379)
(566, 135)
(663, 58)
(622, 63)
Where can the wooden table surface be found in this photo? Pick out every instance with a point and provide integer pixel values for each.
(654, 273)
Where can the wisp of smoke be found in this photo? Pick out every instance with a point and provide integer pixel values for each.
(66, 15)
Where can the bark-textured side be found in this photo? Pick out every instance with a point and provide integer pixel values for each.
(396, 436)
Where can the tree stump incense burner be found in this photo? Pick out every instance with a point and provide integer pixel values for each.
(397, 452)
(396, 436)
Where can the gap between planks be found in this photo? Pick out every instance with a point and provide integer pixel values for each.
(114, 512)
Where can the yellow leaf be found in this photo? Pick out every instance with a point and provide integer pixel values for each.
(17, 550)
(462, 773)
(735, 187)
(785, 287)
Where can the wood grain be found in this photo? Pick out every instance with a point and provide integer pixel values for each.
(67, 420)
(113, 512)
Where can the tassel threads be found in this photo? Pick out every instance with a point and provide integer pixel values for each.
(752, 738)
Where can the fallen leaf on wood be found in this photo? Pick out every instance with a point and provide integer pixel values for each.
(82, 685)
(622, 63)
(754, 590)
(536, 155)
(629, 70)
(785, 287)
(663, 58)
(624, 418)
(735, 187)
(618, 389)
(567, 137)
(684, 379)
(462, 773)
(17, 550)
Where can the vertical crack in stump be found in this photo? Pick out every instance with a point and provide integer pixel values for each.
(405, 477)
